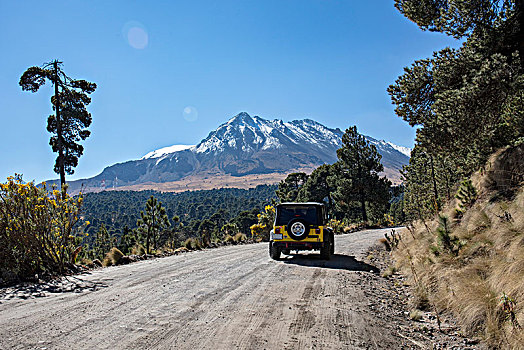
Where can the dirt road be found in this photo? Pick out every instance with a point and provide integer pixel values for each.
(226, 298)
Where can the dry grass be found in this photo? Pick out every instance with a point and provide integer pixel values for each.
(113, 257)
(385, 243)
(415, 315)
(489, 264)
(86, 262)
(390, 271)
(192, 244)
(138, 250)
(240, 237)
(228, 239)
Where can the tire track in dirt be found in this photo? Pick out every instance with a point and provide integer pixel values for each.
(305, 318)
(231, 297)
(196, 311)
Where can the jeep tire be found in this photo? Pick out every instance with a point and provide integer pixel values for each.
(325, 250)
(297, 229)
(274, 252)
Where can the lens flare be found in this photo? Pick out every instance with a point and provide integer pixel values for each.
(190, 114)
(136, 35)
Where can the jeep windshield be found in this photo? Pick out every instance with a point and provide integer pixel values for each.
(286, 214)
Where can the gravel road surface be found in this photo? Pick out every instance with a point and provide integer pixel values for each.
(227, 298)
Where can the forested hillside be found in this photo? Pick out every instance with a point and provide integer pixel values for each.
(464, 251)
(466, 103)
(120, 209)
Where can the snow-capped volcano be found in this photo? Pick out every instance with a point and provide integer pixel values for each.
(248, 138)
(242, 146)
(252, 134)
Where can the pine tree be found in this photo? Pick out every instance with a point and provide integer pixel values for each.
(465, 102)
(289, 188)
(70, 122)
(357, 176)
(205, 229)
(102, 242)
(229, 229)
(152, 221)
(318, 187)
(466, 18)
(245, 219)
(176, 226)
(127, 240)
(466, 194)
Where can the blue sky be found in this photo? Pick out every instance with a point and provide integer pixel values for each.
(327, 60)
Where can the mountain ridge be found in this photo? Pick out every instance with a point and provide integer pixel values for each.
(244, 146)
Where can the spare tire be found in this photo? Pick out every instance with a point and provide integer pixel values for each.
(298, 229)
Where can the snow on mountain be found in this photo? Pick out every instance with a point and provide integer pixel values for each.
(385, 146)
(242, 146)
(404, 150)
(251, 134)
(166, 150)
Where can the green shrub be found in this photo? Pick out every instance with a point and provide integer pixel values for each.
(37, 232)
(447, 242)
(466, 194)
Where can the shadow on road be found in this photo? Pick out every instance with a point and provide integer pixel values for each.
(338, 261)
(66, 284)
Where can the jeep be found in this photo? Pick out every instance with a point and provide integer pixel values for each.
(301, 226)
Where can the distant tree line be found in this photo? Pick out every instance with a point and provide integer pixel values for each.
(153, 220)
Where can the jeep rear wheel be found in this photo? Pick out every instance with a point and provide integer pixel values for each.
(325, 250)
(274, 252)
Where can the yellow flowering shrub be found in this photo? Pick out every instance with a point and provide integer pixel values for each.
(36, 229)
(388, 221)
(336, 225)
(260, 230)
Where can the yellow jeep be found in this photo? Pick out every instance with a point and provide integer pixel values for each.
(301, 226)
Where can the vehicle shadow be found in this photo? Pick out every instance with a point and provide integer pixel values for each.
(337, 261)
